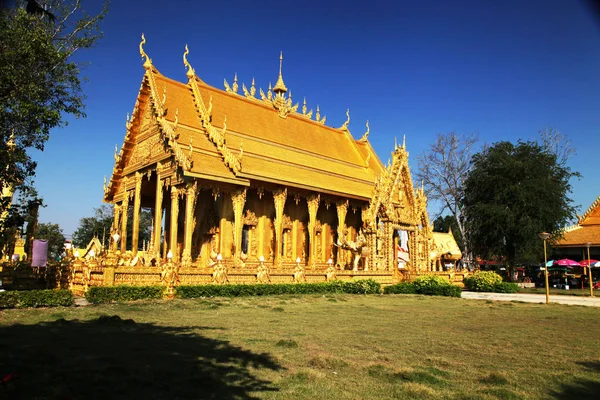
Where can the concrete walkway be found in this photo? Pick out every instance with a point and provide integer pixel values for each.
(534, 298)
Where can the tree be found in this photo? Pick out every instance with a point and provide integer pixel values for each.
(443, 171)
(444, 224)
(39, 81)
(513, 193)
(99, 225)
(54, 235)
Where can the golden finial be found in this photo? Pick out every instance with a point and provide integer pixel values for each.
(148, 61)
(404, 142)
(176, 118)
(105, 183)
(318, 114)
(190, 70)
(304, 106)
(270, 92)
(345, 125)
(227, 87)
(395, 143)
(116, 155)
(280, 88)
(235, 86)
(366, 135)
(252, 88)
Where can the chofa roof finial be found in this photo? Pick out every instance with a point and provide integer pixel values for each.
(148, 61)
(190, 71)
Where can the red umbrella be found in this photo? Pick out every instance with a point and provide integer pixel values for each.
(565, 262)
(585, 263)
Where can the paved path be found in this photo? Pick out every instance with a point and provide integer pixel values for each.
(534, 298)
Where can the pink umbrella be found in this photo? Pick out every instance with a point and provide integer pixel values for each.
(585, 263)
(565, 262)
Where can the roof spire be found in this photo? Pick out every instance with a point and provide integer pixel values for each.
(280, 88)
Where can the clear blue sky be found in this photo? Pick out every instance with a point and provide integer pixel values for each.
(502, 69)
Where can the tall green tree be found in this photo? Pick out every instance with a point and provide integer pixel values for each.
(40, 82)
(54, 235)
(100, 226)
(513, 193)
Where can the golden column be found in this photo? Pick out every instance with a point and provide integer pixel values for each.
(342, 210)
(115, 228)
(190, 204)
(158, 212)
(588, 245)
(545, 236)
(313, 207)
(279, 197)
(174, 216)
(124, 215)
(136, 213)
(238, 199)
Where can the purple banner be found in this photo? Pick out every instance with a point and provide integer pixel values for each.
(40, 253)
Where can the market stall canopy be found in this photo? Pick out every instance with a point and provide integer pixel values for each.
(585, 263)
(565, 262)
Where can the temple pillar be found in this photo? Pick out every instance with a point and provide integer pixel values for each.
(342, 210)
(174, 223)
(125, 212)
(190, 205)
(313, 207)
(279, 197)
(136, 213)
(238, 199)
(115, 229)
(158, 213)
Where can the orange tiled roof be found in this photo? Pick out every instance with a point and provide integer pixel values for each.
(579, 236)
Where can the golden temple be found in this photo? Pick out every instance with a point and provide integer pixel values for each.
(249, 186)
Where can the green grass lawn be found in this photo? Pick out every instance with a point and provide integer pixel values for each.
(303, 347)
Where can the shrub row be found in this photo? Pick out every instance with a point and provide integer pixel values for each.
(489, 281)
(109, 294)
(356, 287)
(431, 285)
(36, 298)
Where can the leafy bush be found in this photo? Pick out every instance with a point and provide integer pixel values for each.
(433, 285)
(36, 298)
(9, 299)
(482, 281)
(354, 287)
(506, 287)
(400, 288)
(109, 294)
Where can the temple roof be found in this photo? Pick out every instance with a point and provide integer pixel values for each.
(445, 244)
(586, 231)
(219, 134)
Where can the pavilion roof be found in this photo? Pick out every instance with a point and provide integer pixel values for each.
(222, 135)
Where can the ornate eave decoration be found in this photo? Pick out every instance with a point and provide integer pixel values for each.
(216, 136)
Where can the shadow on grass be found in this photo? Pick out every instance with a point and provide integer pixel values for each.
(581, 389)
(111, 358)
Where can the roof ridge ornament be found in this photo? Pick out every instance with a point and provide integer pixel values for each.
(280, 88)
(365, 137)
(190, 71)
(344, 127)
(148, 60)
